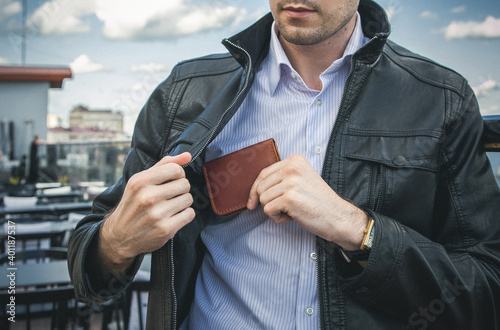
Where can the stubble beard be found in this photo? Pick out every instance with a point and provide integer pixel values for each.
(303, 36)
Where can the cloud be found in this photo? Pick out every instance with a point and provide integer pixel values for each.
(149, 68)
(4, 61)
(130, 19)
(391, 12)
(429, 15)
(83, 64)
(485, 88)
(458, 10)
(493, 110)
(9, 8)
(151, 19)
(61, 17)
(490, 28)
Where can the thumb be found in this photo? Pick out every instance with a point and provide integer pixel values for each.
(181, 159)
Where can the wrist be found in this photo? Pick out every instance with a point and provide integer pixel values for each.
(109, 249)
(360, 222)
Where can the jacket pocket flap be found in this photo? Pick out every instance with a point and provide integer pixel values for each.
(394, 150)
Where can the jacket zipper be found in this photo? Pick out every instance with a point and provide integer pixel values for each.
(174, 296)
(247, 78)
(342, 116)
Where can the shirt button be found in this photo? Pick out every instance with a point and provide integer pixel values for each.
(314, 256)
(317, 150)
(309, 311)
(318, 102)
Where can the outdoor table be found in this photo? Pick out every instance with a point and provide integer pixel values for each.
(36, 274)
(52, 208)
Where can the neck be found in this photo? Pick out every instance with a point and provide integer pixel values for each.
(311, 60)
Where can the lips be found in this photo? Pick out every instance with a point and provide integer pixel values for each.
(297, 10)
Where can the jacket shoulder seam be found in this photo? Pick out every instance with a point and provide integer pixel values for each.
(398, 61)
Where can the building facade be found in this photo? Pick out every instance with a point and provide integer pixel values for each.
(104, 120)
(78, 134)
(24, 105)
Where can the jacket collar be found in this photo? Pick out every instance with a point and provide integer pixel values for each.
(375, 25)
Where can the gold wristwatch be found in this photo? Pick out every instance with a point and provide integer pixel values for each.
(369, 236)
(363, 253)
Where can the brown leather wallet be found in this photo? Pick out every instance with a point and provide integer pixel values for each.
(230, 178)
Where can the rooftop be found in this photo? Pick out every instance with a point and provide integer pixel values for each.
(22, 73)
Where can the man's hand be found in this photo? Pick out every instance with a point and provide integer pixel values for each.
(155, 205)
(292, 190)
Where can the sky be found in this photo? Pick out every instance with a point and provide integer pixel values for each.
(120, 50)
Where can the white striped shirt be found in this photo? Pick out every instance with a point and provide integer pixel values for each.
(257, 274)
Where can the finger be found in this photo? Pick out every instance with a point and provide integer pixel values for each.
(275, 212)
(253, 199)
(273, 182)
(180, 219)
(170, 168)
(168, 208)
(173, 188)
(158, 175)
(274, 204)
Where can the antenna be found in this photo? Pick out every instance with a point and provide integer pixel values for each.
(23, 51)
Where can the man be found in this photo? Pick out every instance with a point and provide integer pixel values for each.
(382, 214)
(33, 166)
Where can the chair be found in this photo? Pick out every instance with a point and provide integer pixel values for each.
(33, 236)
(27, 218)
(61, 299)
(135, 296)
(41, 255)
(131, 306)
(56, 301)
(127, 310)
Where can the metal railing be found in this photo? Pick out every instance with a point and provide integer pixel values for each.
(72, 163)
(82, 162)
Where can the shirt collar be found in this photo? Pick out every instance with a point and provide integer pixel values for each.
(279, 63)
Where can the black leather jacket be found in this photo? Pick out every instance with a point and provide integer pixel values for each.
(405, 147)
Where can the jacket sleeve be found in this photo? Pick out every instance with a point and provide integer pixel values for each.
(148, 142)
(453, 280)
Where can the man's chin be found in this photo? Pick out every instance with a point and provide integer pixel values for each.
(302, 38)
